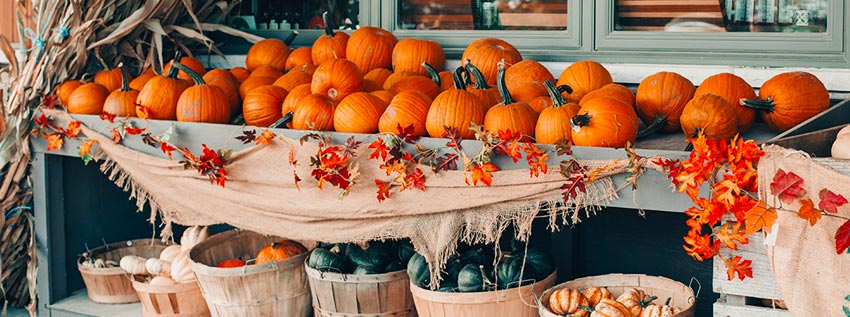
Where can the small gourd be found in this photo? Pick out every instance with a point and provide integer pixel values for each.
(635, 301)
(841, 146)
(608, 308)
(659, 311)
(162, 281)
(181, 270)
(134, 265)
(566, 302)
(169, 253)
(192, 236)
(158, 267)
(597, 294)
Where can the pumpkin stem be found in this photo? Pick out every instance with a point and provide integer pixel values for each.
(457, 77)
(280, 123)
(291, 38)
(125, 79)
(763, 105)
(653, 127)
(690, 146)
(579, 121)
(329, 32)
(435, 76)
(238, 120)
(199, 81)
(667, 303)
(565, 89)
(555, 94)
(586, 308)
(172, 72)
(500, 85)
(646, 302)
(474, 72)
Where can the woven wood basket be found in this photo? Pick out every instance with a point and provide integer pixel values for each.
(269, 289)
(113, 285)
(179, 300)
(345, 295)
(514, 302)
(680, 295)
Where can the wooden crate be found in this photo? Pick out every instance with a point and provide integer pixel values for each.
(371, 295)
(745, 298)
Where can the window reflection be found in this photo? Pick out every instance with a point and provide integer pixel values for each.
(295, 15)
(482, 14)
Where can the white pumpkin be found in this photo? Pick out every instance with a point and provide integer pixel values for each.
(192, 236)
(158, 267)
(133, 264)
(170, 253)
(841, 146)
(181, 268)
(162, 281)
(659, 311)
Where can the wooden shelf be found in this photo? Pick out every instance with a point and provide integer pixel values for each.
(79, 305)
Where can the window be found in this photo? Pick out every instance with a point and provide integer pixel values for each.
(483, 15)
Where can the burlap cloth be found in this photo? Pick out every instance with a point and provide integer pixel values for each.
(813, 279)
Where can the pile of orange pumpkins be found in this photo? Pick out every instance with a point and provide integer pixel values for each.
(370, 82)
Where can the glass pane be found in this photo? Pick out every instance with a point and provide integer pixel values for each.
(482, 15)
(721, 15)
(294, 15)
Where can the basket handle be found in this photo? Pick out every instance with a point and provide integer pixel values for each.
(699, 288)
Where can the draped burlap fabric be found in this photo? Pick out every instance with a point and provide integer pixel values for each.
(813, 279)
(261, 196)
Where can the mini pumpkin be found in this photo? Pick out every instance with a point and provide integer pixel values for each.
(264, 106)
(109, 79)
(294, 95)
(553, 124)
(566, 302)
(510, 115)
(88, 99)
(314, 112)
(659, 311)
(122, 102)
(408, 108)
(139, 82)
(158, 267)
(525, 80)
(279, 251)
(181, 270)
(252, 83)
(241, 73)
(456, 108)
(189, 62)
(230, 263)
(192, 236)
(712, 115)
(294, 78)
(615, 91)
(597, 294)
(410, 53)
(268, 52)
(788, 99)
(359, 113)
(733, 89)
(299, 57)
(489, 95)
(486, 53)
(202, 102)
(266, 71)
(337, 79)
(133, 264)
(374, 79)
(605, 122)
(329, 46)
(158, 99)
(162, 281)
(609, 308)
(660, 99)
(418, 83)
(635, 300)
(64, 90)
(169, 253)
(370, 47)
(584, 77)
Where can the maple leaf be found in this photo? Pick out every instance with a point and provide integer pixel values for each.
(148, 139)
(842, 237)
(808, 212)
(729, 237)
(406, 133)
(166, 148)
(788, 186)
(700, 247)
(537, 159)
(383, 189)
(741, 206)
(830, 201)
(74, 128)
(54, 141)
(705, 212)
(313, 136)
(481, 172)
(41, 121)
(143, 112)
(453, 134)
(396, 166)
(350, 146)
(446, 162)
(247, 136)
(760, 217)
(51, 101)
(738, 266)
(265, 137)
(415, 180)
(381, 149)
(564, 147)
(106, 116)
(85, 151)
(134, 130)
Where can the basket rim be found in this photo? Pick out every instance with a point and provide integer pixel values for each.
(163, 289)
(111, 247)
(478, 297)
(212, 271)
(355, 279)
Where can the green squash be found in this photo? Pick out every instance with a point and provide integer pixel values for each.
(396, 265)
(367, 269)
(471, 279)
(326, 261)
(418, 271)
(375, 255)
(405, 250)
(479, 254)
(452, 268)
(448, 287)
(508, 272)
(538, 263)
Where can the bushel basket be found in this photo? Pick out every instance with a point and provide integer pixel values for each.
(113, 285)
(347, 295)
(513, 302)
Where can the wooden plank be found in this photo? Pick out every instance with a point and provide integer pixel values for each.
(534, 19)
(761, 285)
(731, 310)
(715, 15)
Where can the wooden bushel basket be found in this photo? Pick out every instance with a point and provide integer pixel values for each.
(178, 300)
(376, 295)
(513, 302)
(113, 285)
(269, 289)
(680, 295)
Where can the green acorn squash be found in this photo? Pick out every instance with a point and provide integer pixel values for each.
(367, 269)
(508, 272)
(471, 279)
(418, 271)
(538, 263)
(396, 265)
(375, 255)
(326, 261)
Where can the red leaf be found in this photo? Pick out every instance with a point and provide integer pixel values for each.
(41, 121)
(738, 266)
(381, 149)
(537, 159)
(788, 186)
(166, 149)
(830, 201)
(116, 136)
(383, 190)
(406, 133)
(842, 237)
(134, 130)
(51, 101)
(107, 116)
(453, 134)
(416, 179)
(808, 212)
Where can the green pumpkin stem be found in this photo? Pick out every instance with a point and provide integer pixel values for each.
(474, 72)
(565, 89)
(667, 303)
(199, 81)
(644, 303)
(763, 105)
(500, 85)
(329, 32)
(287, 118)
(172, 72)
(125, 79)
(435, 76)
(579, 121)
(555, 94)
(585, 308)
(653, 127)
(457, 77)
(291, 38)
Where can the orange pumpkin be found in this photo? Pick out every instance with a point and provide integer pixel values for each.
(294, 95)
(230, 263)
(314, 112)
(553, 124)
(525, 80)
(229, 86)
(279, 251)
(64, 90)
(408, 108)
(109, 79)
(385, 95)
(410, 53)
(566, 302)
(456, 108)
(486, 53)
(788, 99)
(359, 113)
(293, 78)
(733, 89)
(615, 91)
(660, 99)
(419, 83)
(241, 73)
(610, 308)
(489, 95)
(370, 47)
(337, 79)
(659, 311)
(122, 102)
(263, 106)
(712, 115)
(510, 115)
(443, 78)
(584, 77)
(201, 102)
(158, 99)
(374, 79)
(266, 71)
(139, 82)
(190, 62)
(87, 99)
(299, 57)
(543, 102)
(605, 122)
(252, 83)
(635, 300)
(396, 78)
(329, 46)
(268, 52)
(597, 294)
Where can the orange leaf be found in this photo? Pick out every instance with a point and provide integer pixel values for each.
(265, 137)
(729, 237)
(73, 129)
(727, 192)
(536, 158)
(482, 172)
(54, 142)
(85, 148)
(807, 211)
(738, 266)
(381, 149)
(701, 247)
(761, 217)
